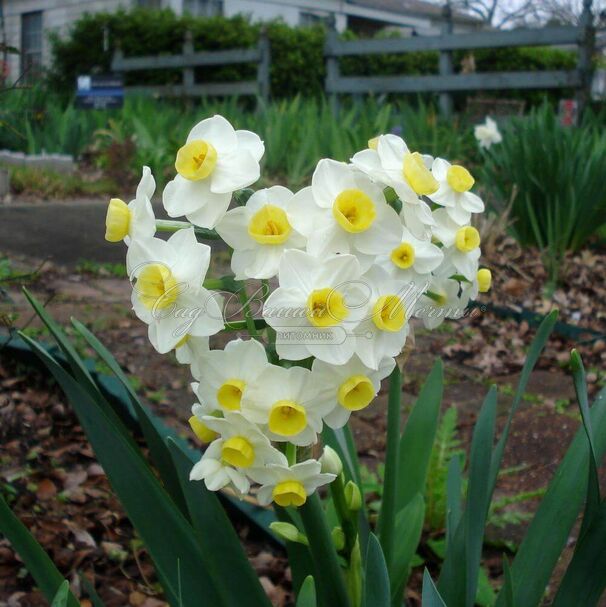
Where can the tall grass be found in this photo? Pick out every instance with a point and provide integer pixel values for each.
(554, 177)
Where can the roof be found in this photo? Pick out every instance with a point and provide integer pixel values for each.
(414, 8)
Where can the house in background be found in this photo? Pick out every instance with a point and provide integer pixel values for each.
(25, 24)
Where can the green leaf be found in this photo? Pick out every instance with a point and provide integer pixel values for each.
(62, 597)
(549, 530)
(454, 484)
(485, 595)
(224, 557)
(507, 589)
(584, 580)
(430, 597)
(307, 593)
(38, 563)
(418, 437)
(165, 532)
(376, 579)
(408, 529)
(90, 590)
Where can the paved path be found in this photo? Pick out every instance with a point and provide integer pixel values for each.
(64, 232)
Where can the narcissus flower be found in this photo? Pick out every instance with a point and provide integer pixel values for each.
(215, 161)
(461, 244)
(290, 486)
(167, 289)
(412, 260)
(226, 375)
(196, 422)
(384, 329)
(454, 192)
(346, 388)
(260, 232)
(240, 448)
(444, 299)
(189, 350)
(487, 133)
(133, 220)
(343, 211)
(316, 307)
(284, 402)
(393, 164)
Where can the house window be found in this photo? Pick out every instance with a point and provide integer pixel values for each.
(31, 44)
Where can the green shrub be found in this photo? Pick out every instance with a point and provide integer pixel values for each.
(297, 53)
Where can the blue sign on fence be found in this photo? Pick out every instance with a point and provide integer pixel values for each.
(99, 92)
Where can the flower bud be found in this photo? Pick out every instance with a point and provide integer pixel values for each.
(331, 462)
(484, 280)
(353, 497)
(338, 538)
(288, 531)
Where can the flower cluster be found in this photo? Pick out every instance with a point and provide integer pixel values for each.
(352, 259)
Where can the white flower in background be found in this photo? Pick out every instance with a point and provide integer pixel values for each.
(347, 388)
(215, 161)
(343, 211)
(196, 422)
(284, 402)
(391, 163)
(290, 486)
(189, 350)
(168, 294)
(226, 375)
(481, 284)
(136, 219)
(443, 300)
(316, 307)
(385, 327)
(461, 244)
(454, 191)
(241, 448)
(260, 232)
(488, 133)
(412, 260)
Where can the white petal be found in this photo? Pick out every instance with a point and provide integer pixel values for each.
(233, 229)
(247, 140)
(218, 131)
(233, 172)
(330, 179)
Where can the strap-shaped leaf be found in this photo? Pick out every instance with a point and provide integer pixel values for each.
(584, 581)
(164, 530)
(62, 597)
(454, 484)
(430, 596)
(376, 578)
(307, 594)
(418, 438)
(550, 528)
(38, 563)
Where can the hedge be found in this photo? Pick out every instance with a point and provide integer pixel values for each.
(297, 53)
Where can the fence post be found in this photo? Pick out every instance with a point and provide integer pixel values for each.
(188, 72)
(117, 57)
(445, 64)
(332, 66)
(264, 66)
(584, 63)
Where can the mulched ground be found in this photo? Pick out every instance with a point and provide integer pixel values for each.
(59, 491)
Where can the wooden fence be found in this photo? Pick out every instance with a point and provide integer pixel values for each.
(190, 59)
(447, 81)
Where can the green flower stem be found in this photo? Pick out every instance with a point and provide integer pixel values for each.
(167, 225)
(387, 517)
(291, 454)
(241, 325)
(248, 317)
(324, 555)
(349, 520)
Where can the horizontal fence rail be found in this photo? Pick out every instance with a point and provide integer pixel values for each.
(447, 81)
(188, 60)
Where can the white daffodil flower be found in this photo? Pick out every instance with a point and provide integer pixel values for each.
(443, 300)
(346, 388)
(454, 192)
(390, 162)
(260, 232)
(487, 133)
(241, 448)
(343, 211)
(385, 327)
(190, 350)
(226, 375)
(290, 486)
(461, 244)
(168, 294)
(136, 219)
(215, 161)
(284, 402)
(317, 306)
(412, 260)
(196, 422)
